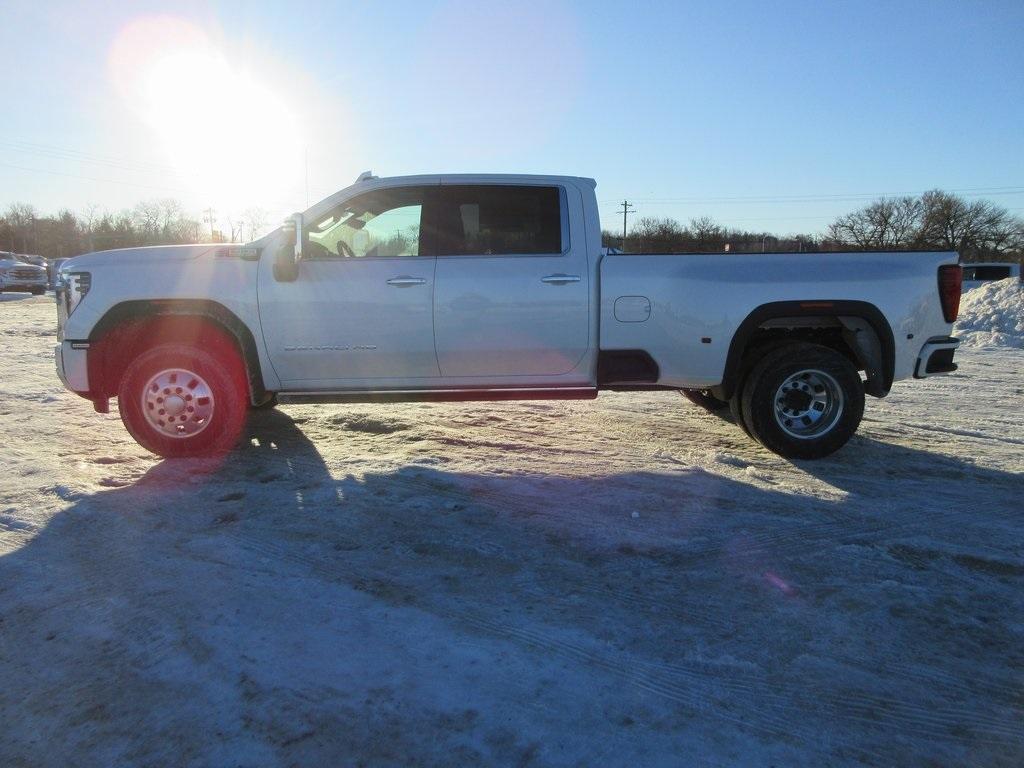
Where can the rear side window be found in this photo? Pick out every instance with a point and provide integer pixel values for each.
(488, 220)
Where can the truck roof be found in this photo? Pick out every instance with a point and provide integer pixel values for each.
(367, 181)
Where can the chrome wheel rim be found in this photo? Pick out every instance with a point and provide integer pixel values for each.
(177, 403)
(808, 404)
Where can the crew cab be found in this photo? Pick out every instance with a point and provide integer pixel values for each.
(492, 287)
(17, 275)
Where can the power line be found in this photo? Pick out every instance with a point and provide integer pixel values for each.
(142, 166)
(93, 178)
(815, 197)
(176, 190)
(74, 155)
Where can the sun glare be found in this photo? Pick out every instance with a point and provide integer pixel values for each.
(232, 137)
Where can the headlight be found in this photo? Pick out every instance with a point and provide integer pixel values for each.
(72, 288)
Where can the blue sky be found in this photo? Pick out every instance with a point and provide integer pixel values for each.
(774, 116)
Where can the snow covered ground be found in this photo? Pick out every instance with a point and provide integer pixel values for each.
(623, 582)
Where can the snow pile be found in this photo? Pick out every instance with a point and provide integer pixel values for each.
(992, 315)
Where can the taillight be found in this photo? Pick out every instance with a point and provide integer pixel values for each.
(951, 277)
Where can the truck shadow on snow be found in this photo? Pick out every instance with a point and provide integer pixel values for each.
(261, 610)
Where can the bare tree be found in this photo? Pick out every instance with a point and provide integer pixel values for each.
(655, 235)
(88, 219)
(891, 222)
(707, 234)
(971, 228)
(254, 222)
(20, 218)
(939, 220)
(146, 219)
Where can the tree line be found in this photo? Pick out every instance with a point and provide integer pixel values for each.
(152, 222)
(978, 230)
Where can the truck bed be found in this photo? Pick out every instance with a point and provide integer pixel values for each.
(697, 302)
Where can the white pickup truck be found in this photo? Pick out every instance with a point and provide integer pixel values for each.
(491, 288)
(16, 274)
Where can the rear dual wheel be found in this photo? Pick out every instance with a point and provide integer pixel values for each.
(801, 401)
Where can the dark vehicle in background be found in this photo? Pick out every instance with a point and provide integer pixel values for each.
(980, 273)
(16, 274)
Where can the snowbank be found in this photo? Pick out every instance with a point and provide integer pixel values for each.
(992, 315)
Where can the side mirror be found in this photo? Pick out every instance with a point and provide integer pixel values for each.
(289, 252)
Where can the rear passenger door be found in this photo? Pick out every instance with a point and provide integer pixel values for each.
(511, 283)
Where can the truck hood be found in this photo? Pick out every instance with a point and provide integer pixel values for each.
(122, 257)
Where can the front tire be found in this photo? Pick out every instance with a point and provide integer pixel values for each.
(182, 400)
(803, 401)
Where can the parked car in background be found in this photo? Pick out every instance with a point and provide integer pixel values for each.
(18, 275)
(988, 271)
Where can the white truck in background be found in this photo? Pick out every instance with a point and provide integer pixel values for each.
(18, 275)
(492, 287)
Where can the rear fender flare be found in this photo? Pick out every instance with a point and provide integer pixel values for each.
(864, 329)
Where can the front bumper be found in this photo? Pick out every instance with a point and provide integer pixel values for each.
(72, 367)
(936, 357)
(15, 284)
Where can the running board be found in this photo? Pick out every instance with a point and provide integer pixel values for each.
(437, 395)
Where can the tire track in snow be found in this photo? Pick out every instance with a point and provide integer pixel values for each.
(692, 686)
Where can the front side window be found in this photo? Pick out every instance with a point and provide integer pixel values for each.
(496, 220)
(384, 222)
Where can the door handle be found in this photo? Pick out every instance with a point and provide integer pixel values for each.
(560, 279)
(406, 281)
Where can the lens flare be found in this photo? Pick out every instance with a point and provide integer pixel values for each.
(228, 132)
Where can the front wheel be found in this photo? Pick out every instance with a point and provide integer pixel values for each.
(181, 400)
(803, 401)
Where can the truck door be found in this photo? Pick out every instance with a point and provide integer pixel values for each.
(360, 312)
(512, 284)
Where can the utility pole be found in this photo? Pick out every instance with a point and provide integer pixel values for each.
(627, 208)
(305, 162)
(210, 218)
